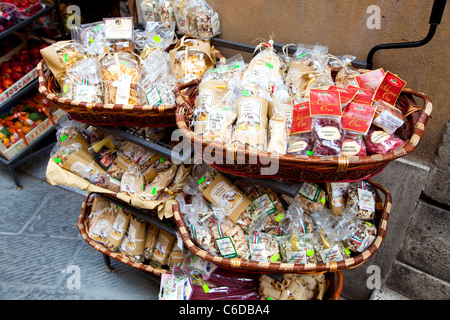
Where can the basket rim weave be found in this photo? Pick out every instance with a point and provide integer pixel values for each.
(279, 267)
(318, 163)
(82, 226)
(93, 108)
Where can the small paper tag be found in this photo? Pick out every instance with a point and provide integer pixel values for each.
(301, 119)
(324, 102)
(310, 191)
(226, 247)
(370, 80)
(366, 200)
(153, 97)
(389, 89)
(258, 252)
(265, 204)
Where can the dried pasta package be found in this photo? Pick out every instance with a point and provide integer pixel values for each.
(251, 124)
(93, 38)
(330, 251)
(190, 59)
(102, 225)
(151, 236)
(380, 142)
(163, 247)
(156, 84)
(299, 221)
(195, 18)
(136, 240)
(132, 183)
(293, 287)
(265, 67)
(176, 257)
(279, 126)
(83, 82)
(311, 198)
(149, 10)
(264, 247)
(119, 34)
(120, 74)
(337, 196)
(156, 35)
(298, 248)
(361, 201)
(230, 239)
(362, 236)
(118, 230)
(209, 93)
(222, 193)
(162, 180)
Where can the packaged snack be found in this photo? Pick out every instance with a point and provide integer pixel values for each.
(370, 80)
(363, 96)
(299, 221)
(222, 193)
(353, 145)
(176, 257)
(118, 230)
(178, 180)
(132, 183)
(190, 59)
(293, 287)
(120, 77)
(300, 137)
(388, 118)
(381, 142)
(92, 37)
(264, 68)
(362, 236)
(156, 84)
(330, 251)
(337, 196)
(157, 11)
(101, 226)
(328, 136)
(311, 197)
(209, 93)
(162, 180)
(298, 248)
(119, 34)
(230, 239)
(195, 265)
(278, 130)
(163, 247)
(83, 82)
(361, 201)
(151, 236)
(357, 118)
(251, 123)
(264, 247)
(195, 18)
(136, 240)
(389, 89)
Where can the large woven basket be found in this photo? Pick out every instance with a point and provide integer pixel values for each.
(248, 162)
(382, 216)
(108, 114)
(82, 223)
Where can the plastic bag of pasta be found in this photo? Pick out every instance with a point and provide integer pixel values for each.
(195, 18)
(156, 84)
(155, 35)
(92, 38)
(264, 247)
(83, 82)
(230, 239)
(361, 201)
(120, 74)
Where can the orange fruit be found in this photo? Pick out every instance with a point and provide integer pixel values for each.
(38, 122)
(18, 124)
(26, 129)
(5, 141)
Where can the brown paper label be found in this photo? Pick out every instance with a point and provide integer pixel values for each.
(222, 193)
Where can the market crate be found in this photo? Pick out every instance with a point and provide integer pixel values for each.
(382, 211)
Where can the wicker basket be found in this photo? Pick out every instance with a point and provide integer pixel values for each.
(83, 227)
(242, 161)
(109, 114)
(382, 216)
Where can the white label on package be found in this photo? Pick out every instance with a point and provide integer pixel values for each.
(388, 121)
(119, 28)
(366, 200)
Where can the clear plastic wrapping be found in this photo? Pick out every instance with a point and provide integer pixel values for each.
(379, 141)
(120, 74)
(195, 18)
(83, 82)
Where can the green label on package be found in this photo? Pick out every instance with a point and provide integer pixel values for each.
(310, 191)
(265, 204)
(226, 247)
